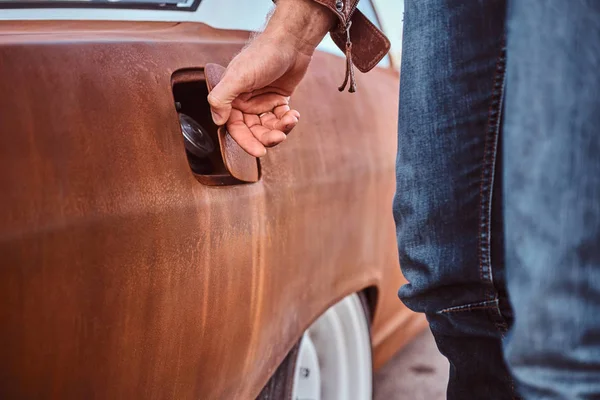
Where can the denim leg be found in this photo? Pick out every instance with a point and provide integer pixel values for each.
(552, 197)
(447, 207)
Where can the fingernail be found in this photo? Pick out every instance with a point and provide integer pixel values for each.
(216, 117)
(264, 153)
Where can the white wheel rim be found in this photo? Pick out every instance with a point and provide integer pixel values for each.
(334, 359)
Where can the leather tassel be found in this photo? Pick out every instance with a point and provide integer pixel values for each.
(349, 71)
(349, 65)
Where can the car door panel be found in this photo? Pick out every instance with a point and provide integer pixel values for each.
(125, 277)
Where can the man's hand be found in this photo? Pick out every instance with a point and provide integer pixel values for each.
(253, 95)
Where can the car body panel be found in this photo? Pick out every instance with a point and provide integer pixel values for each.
(124, 277)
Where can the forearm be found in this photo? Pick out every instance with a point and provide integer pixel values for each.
(305, 22)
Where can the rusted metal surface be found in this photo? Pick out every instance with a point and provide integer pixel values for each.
(122, 276)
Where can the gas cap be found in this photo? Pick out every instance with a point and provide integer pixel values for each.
(197, 140)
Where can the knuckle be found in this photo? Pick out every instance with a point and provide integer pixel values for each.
(215, 101)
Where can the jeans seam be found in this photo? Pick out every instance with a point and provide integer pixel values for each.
(447, 311)
(500, 321)
(468, 307)
(487, 170)
(486, 192)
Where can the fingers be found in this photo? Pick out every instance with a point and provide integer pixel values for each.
(268, 137)
(261, 103)
(251, 120)
(241, 133)
(281, 110)
(286, 121)
(220, 98)
(232, 104)
(268, 120)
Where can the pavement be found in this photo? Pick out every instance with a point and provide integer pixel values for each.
(418, 372)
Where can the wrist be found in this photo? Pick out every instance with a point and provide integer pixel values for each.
(304, 22)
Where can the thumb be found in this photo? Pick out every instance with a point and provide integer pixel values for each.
(223, 94)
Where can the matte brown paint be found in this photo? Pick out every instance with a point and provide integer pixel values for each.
(122, 276)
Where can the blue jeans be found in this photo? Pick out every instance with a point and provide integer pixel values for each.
(498, 200)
